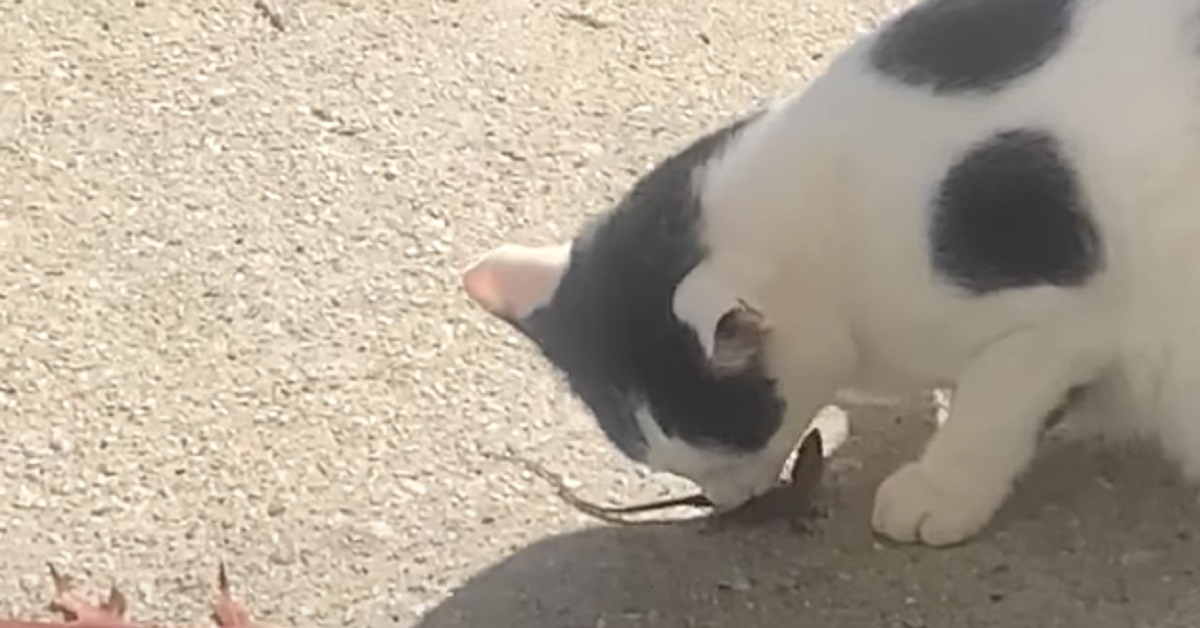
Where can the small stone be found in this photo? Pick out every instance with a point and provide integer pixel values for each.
(146, 592)
(381, 530)
(61, 443)
(32, 584)
(276, 508)
(219, 97)
(737, 582)
(283, 555)
(1137, 558)
(414, 487)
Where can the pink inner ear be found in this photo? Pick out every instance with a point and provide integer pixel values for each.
(513, 281)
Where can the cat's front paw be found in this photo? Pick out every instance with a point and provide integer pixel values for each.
(912, 505)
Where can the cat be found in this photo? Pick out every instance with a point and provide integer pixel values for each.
(995, 197)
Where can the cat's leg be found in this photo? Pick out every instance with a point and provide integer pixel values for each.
(1173, 413)
(969, 467)
(1104, 410)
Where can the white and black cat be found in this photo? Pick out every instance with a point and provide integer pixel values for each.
(1001, 197)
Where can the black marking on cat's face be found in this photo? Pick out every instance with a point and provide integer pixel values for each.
(1011, 214)
(971, 45)
(610, 327)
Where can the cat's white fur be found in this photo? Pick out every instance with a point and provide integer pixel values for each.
(818, 214)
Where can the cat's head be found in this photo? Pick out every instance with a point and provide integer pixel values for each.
(668, 360)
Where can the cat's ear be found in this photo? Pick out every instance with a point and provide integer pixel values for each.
(731, 332)
(513, 281)
(738, 340)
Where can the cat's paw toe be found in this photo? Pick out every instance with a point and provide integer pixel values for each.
(912, 506)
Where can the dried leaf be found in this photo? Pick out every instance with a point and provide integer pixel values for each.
(80, 612)
(227, 612)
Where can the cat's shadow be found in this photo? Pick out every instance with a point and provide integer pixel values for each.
(1092, 538)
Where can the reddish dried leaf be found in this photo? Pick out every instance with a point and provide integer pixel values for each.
(227, 612)
(12, 623)
(77, 610)
(80, 612)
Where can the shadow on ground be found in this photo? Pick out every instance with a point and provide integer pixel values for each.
(1092, 538)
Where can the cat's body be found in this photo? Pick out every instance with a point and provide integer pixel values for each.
(999, 196)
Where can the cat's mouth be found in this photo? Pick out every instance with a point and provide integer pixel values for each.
(790, 499)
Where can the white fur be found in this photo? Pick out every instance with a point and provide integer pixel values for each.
(818, 214)
(727, 478)
(700, 300)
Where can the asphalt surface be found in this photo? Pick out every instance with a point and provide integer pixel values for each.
(231, 329)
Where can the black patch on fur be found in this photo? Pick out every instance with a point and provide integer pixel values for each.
(1011, 214)
(971, 45)
(611, 330)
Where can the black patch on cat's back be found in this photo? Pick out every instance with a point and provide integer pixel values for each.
(971, 45)
(1010, 213)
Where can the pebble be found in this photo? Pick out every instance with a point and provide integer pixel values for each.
(414, 487)
(1137, 558)
(736, 582)
(61, 443)
(283, 555)
(381, 530)
(32, 584)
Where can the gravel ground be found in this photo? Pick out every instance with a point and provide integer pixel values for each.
(231, 329)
